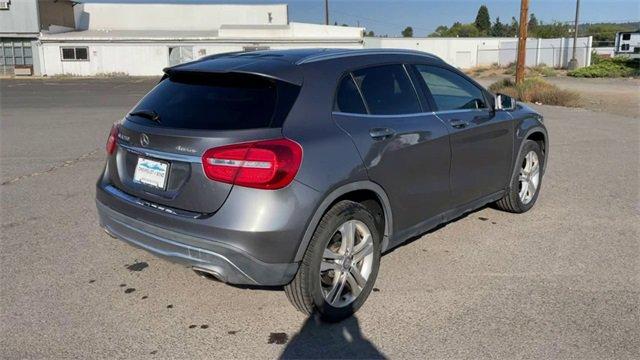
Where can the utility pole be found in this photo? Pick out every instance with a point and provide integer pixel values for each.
(522, 41)
(573, 63)
(326, 12)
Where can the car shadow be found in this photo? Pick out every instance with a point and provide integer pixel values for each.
(321, 340)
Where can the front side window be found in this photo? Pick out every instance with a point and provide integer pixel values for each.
(75, 53)
(451, 91)
(348, 99)
(387, 90)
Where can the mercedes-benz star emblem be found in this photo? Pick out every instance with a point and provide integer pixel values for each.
(144, 140)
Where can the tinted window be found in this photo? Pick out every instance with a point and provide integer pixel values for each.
(217, 102)
(451, 91)
(387, 90)
(348, 98)
(68, 54)
(82, 54)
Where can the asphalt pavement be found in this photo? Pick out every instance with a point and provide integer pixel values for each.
(561, 281)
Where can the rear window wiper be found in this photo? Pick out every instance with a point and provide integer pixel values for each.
(147, 114)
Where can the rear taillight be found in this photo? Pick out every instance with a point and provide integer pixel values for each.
(111, 140)
(267, 164)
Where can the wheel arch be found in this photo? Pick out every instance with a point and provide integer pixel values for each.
(349, 191)
(536, 133)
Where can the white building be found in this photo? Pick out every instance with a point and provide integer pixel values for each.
(66, 37)
(142, 39)
(20, 24)
(628, 43)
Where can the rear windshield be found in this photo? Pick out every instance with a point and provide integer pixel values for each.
(216, 102)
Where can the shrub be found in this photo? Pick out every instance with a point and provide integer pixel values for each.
(538, 70)
(536, 90)
(541, 70)
(609, 67)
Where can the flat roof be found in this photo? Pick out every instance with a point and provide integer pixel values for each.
(138, 35)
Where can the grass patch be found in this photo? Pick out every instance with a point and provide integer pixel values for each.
(536, 90)
(609, 68)
(538, 70)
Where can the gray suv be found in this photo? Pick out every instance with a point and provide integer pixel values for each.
(301, 167)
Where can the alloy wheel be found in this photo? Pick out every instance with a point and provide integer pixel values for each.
(346, 264)
(529, 178)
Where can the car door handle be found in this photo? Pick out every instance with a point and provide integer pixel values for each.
(381, 133)
(459, 124)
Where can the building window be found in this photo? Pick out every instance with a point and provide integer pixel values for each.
(74, 53)
(626, 36)
(624, 47)
(4, 5)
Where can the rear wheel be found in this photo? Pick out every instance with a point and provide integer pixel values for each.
(340, 265)
(526, 180)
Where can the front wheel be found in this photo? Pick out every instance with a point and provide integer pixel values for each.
(340, 265)
(526, 180)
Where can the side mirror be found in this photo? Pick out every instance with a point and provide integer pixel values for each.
(505, 102)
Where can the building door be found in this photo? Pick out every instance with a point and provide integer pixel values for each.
(15, 53)
(180, 54)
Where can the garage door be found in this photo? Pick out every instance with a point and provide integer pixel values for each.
(15, 52)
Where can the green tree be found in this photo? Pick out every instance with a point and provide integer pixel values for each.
(440, 31)
(553, 30)
(512, 30)
(370, 33)
(533, 23)
(457, 30)
(483, 20)
(498, 29)
(407, 32)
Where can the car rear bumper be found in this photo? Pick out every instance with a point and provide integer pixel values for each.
(223, 261)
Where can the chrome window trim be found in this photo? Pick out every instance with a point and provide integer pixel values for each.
(162, 154)
(461, 110)
(412, 114)
(383, 116)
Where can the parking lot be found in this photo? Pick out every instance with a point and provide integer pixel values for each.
(562, 281)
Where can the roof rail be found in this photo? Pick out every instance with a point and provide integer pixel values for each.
(352, 53)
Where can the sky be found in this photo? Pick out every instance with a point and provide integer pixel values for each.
(391, 16)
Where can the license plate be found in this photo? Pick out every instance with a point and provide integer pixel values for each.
(151, 173)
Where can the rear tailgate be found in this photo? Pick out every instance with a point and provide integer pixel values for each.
(186, 185)
(158, 158)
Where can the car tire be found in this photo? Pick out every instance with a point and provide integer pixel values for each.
(327, 263)
(527, 175)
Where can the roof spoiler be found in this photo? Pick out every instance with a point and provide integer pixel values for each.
(268, 68)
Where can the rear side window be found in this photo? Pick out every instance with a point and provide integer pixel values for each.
(387, 90)
(451, 91)
(217, 102)
(348, 99)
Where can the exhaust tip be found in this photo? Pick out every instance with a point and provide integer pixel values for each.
(209, 274)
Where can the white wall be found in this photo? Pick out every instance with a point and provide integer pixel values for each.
(21, 18)
(471, 52)
(292, 31)
(178, 17)
(148, 59)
